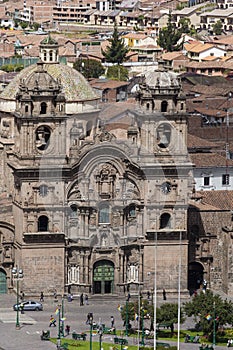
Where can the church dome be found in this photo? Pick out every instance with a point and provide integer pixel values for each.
(164, 79)
(73, 85)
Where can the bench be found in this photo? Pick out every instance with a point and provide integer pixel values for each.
(108, 330)
(45, 335)
(163, 325)
(164, 345)
(206, 347)
(120, 341)
(79, 336)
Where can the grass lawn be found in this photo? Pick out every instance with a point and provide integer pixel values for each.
(85, 345)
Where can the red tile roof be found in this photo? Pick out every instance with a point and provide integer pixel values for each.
(221, 199)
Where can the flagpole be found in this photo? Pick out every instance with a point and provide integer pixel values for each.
(214, 330)
(155, 292)
(179, 306)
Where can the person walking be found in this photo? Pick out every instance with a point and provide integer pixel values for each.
(86, 299)
(52, 321)
(42, 297)
(81, 299)
(88, 318)
(22, 296)
(112, 322)
(164, 295)
(67, 330)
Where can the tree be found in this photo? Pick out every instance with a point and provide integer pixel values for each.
(117, 73)
(217, 27)
(166, 313)
(184, 25)
(169, 36)
(90, 68)
(117, 50)
(23, 24)
(208, 309)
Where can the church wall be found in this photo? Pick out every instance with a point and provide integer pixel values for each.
(213, 246)
(43, 269)
(171, 260)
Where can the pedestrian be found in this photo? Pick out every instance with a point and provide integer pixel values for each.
(42, 296)
(81, 299)
(52, 321)
(22, 295)
(88, 318)
(67, 330)
(164, 295)
(86, 299)
(128, 296)
(204, 286)
(70, 298)
(112, 322)
(22, 308)
(55, 295)
(148, 295)
(229, 342)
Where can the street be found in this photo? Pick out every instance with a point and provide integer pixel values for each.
(33, 322)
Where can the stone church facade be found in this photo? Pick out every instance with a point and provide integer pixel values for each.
(89, 203)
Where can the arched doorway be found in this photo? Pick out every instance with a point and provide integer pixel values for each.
(103, 277)
(195, 276)
(3, 283)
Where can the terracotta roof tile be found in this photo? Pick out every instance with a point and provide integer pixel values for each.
(221, 199)
(209, 160)
(194, 141)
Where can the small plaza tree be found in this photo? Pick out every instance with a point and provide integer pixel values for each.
(117, 50)
(210, 311)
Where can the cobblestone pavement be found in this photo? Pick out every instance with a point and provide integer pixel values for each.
(32, 323)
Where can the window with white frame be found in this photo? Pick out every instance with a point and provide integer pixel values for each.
(73, 274)
(133, 273)
(225, 179)
(206, 180)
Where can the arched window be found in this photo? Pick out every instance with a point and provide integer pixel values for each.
(45, 56)
(165, 221)
(43, 223)
(43, 108)
(164, 135)
(42, 137)
(104, 214)
(132, 211)
(43, 190)
(89, 128)
(51, 55)
(73, 211)
(26, 109)
(164, 106)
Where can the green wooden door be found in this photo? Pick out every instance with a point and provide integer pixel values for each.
(103, 277)
(3, 284)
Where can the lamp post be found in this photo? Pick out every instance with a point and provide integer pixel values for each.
(100, 334)
(143, 334)
(91, 324)
(126, 318)
(59, 322)
(17, 275)
(214, 330)
(62, 315)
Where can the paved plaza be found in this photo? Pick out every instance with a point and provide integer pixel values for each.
(32, 323)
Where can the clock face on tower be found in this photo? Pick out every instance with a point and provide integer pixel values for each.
(166, 187)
